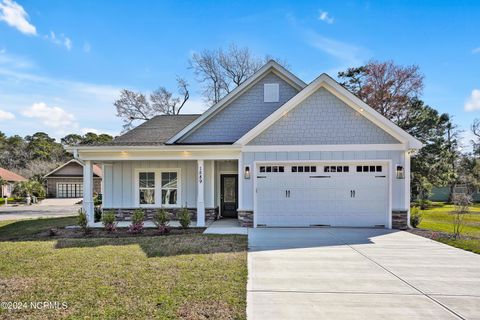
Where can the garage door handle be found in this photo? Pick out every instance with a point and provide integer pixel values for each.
(289, 193)
(380, 176)
(320, 176)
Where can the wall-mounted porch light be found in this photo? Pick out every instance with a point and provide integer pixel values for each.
(400, 172)
(246, 173)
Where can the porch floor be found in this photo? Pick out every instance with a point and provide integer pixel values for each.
(226, 226)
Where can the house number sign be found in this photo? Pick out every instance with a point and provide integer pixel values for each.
(200, 174)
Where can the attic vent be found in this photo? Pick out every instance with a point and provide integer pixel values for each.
(270, 92)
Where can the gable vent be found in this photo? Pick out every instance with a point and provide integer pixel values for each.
(271, 92)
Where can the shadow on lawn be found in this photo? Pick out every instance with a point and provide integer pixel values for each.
(168, 245)
(179, 242)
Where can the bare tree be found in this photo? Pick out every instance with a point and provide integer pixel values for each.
(132, 106)
(163, 100)
(475, 128)
(221, 71)
(385, 86)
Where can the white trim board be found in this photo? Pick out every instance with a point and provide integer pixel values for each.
(268, 67)
(332, 147)
(325, 81)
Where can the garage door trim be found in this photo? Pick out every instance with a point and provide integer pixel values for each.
(386, 162)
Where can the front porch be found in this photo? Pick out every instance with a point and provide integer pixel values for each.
(208, 188)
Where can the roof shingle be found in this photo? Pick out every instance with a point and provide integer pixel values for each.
(155, 131)
(10, 176)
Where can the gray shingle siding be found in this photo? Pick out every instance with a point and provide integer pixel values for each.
(242, 114)
(322, 118)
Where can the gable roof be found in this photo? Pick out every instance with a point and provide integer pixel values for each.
(268, 67)
(155, 131)
(8, 175)
(96, 169)
(343, 94)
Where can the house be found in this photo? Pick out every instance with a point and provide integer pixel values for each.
(66, 181)
(11, 178)
(273, 152)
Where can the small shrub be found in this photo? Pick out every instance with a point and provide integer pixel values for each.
(415, 217)
(137, 221)
(184, 218)
(97, 213)
(82, 221)
(161, 220)
(108, 221)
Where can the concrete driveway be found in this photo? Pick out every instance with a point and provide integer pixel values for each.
(330, 273)
(48, 208)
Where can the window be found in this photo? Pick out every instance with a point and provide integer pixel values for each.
(304, 169)
(336, 169)
(146, 187)
(271, 92)
(158, 187)
(272, 169)
(369, 168)
(169, 188)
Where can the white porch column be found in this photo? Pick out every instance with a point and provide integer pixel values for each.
(240, 181)
(407, 185)
(88, 191)
(200, 194)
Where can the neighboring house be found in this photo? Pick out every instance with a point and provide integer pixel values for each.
(274, 152)
(11, 178)
(66, 181)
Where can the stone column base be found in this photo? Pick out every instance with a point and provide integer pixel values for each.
(245, 217)
(399, 219)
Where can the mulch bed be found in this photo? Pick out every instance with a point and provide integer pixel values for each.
(57, 233)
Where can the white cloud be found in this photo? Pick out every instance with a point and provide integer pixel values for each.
(61, 40)
(476, 50)
(5, 115)
(325, 17)
(15, 16)
(53, 117)
(473, 102)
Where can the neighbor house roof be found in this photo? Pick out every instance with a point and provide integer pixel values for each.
(10, 176)
(155, 131)
(96, 169)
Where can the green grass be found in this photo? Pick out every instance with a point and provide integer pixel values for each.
(2, 200)
(20, 229)
(440, 218)
(190, 276)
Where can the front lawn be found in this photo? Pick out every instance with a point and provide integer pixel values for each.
(188, 276)
(438, 221)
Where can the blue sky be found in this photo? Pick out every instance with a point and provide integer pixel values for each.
(63, 62)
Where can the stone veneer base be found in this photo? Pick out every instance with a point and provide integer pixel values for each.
(125, 214)
(400, 219)
(245, 218)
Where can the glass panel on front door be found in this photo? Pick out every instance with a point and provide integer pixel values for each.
(229, 190)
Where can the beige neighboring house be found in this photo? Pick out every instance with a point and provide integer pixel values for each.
(66, 181)
(11, 179)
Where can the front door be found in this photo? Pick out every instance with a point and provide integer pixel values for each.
(228, 195)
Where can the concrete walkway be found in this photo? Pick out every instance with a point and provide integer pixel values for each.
(330, 273)
(226, 226)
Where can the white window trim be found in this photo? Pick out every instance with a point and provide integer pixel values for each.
(158, 187)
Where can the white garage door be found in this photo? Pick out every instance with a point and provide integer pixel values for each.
(330, 194)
